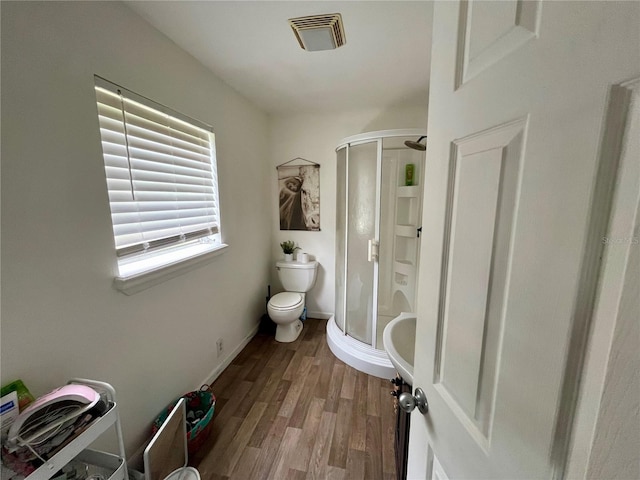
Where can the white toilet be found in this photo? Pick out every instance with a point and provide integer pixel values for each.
(285, 308)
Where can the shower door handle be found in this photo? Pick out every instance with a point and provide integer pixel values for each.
(372, 251)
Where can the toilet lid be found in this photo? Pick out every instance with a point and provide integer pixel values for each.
(286, 300)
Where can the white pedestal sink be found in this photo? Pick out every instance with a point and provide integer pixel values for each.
(399, 340)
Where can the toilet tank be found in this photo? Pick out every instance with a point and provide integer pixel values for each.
(296, 276)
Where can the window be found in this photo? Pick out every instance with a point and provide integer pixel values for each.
(161, 176)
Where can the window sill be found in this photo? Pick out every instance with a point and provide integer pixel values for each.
(145, 277)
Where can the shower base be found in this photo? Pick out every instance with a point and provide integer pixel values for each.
(358, 355)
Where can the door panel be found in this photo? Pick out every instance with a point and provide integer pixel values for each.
(485, 174)
(437, 472)
(489, 31)
(505, 216)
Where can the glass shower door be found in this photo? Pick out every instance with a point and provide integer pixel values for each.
(341, 238)
(362, 168)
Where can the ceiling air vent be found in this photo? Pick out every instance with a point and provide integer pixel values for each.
(319, 32)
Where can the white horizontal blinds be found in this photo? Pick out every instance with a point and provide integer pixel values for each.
(160, 174)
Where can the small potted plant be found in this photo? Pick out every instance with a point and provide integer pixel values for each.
(288, 248)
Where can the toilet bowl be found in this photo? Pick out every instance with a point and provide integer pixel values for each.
(286, 308)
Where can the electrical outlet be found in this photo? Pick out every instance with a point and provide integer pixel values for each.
(219, 347)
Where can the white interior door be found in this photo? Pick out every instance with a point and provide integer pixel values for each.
(517, 101)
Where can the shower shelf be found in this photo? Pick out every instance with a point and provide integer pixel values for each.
(404, 266)
(407, 211)
(406, 231)
(412, 191)
(401, 280)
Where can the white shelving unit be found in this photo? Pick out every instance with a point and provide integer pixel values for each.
(401, 207)
(110, 466)
(408, 200)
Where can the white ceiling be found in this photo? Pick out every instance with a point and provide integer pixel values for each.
(250, 45)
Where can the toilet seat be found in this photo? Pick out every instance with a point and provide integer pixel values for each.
(286, 301)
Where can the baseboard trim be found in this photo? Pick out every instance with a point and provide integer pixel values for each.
(320, 315)
(215, 373)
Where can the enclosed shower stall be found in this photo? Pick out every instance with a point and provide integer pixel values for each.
(379, 198)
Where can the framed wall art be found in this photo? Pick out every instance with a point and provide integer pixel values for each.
(299, 195)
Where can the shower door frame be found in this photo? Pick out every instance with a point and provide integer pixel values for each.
(353, 141)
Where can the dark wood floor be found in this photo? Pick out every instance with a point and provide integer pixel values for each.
(294, 411)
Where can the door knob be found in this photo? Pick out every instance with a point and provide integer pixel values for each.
(408, 402)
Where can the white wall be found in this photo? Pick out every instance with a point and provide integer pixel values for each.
(315, 137)
(61, 317)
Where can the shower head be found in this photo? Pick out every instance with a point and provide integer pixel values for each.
(416, 145)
